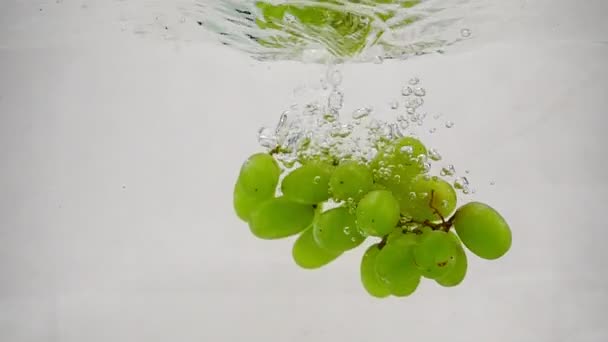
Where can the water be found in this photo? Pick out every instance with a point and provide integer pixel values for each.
(121, 140)
(375, 31)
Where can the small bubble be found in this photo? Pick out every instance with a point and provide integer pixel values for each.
(394, 104)
(397, 179)
(335, 100)
(407, 150)
(347, 230)
(461, 183)
(411, 110)
(467, 171)
(465, 32)
(492, 182)
(182, 20)
(449, 124)
(404, 124)
(361, 113)
(426, 167)
(412, 195)
(317, 180)
(437, 116)
(267, 137)
(419, 91)
(335, 78)
(407, 91)
(353, 239)
(414, 80)
(396, 131)
(289, 18)
(444, 203)
(449, 170)
(434, 154)
(432, 130)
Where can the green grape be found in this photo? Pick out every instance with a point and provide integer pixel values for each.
(259, 175)
(336, 230)
(279, 217)
(351, 180)
(482, 230)
(369, 278)
(256, 183)
(244, 203)
(377, 213)
(456, 275)
(435, 254)
(398, 161)
(308, 184)
(418, 205)
(307, 253)
(395, 265)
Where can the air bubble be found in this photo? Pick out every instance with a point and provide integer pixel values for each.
(432, 130)
(492, 182)
(317, 180)
(394, 104)
(419, 91)
(335, 78)
(267, 138)
(407, 91)
(412, 195)
(411, 110)
(347, 230)
(449, 124)
(414, 80)
(407, 150)
(465, 32)
(434, 154)
(449, 170)
(361, 113)
(461, 183)
(335, 100)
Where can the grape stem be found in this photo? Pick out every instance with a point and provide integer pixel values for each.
(444, 225)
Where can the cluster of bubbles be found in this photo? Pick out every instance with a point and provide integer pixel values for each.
(321, 130)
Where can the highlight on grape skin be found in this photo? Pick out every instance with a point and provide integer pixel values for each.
(335, 194)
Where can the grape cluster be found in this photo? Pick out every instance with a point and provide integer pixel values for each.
(334, 205)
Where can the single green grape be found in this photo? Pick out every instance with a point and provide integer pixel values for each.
(418, 205)
(482, 230)
(455, 275)
(259, 175)
(377, 213)
(308, 184)
(245, 203)
(336, 230)
(351, 180)
(395, 265)
(279, 217)
(256, 183)
(398, 161)
(308, 254)
(435, 254)
(369, 278)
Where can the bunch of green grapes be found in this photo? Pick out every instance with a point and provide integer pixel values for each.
(335, 207)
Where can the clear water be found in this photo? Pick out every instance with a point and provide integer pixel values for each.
(123, 125)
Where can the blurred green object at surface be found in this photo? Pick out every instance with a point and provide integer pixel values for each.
(342, 29)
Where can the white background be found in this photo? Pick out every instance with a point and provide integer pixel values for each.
(118, 152)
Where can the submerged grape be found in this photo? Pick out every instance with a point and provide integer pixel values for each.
(369, 277)
(336, 230)
(279, 217)
(483, 230)
(308, 254)
(308, 184)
